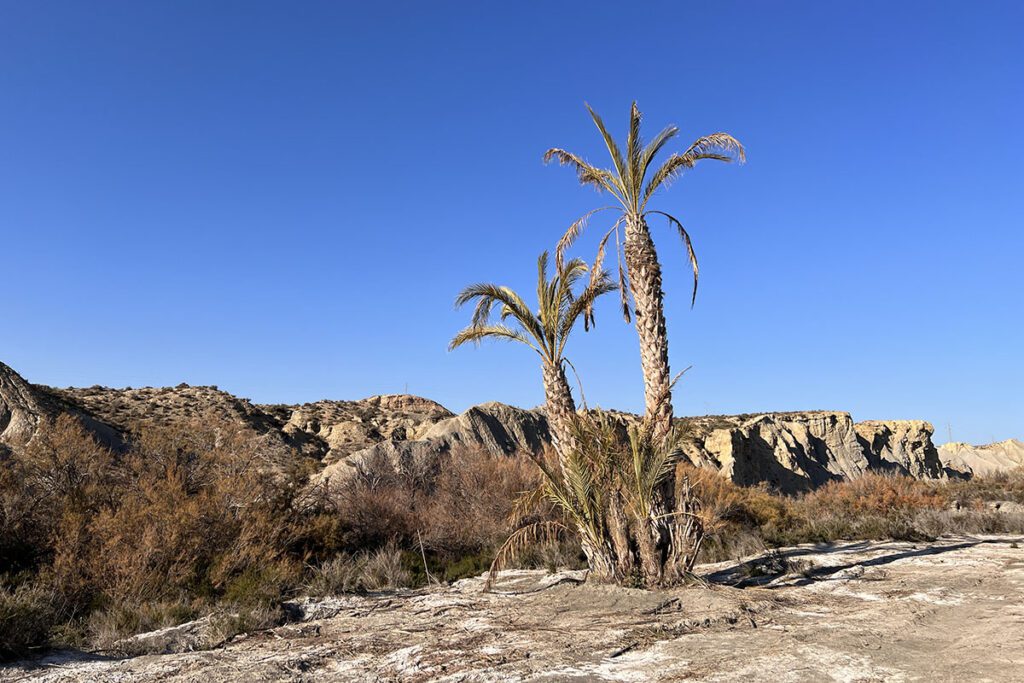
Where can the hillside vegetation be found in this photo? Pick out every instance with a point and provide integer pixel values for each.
(215, 518)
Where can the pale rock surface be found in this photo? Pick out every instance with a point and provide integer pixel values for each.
(791, 452)
(949, 610)
(21, 408)
(788, 451)
(499, 429)
(901, 446)
(340, 428)
(982, 461)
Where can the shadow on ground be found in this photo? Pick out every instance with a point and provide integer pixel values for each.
(764, 571)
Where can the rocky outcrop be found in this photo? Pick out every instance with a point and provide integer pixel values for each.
(788, 451)
(21, 408)
(961, 459)
(336, 429)
(900, 446)
(24, 406)
(499, 429)
(325, 430)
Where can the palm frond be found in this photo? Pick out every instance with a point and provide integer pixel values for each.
(574, 231)
(690, 253)
(583, 305)
(655, 146)
(512, 305)
(542, 279)
(597, 271)
(609, 142)
(586, 173)
(477, 333)
(717, 146)
(651, 462)
(634, 149)
(532, 534)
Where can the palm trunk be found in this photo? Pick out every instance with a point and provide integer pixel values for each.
(560, 408)
(561, 413)
(664, 541)
(648, 297)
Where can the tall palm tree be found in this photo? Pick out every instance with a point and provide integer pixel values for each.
(633, 181)
(546, 331)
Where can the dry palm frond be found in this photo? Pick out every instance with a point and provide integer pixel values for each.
(514, 545)
(690, 253)
(574, 231)
(587, 174)
(623, 288)
(717, 146)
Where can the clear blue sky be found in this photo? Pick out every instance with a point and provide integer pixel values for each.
(283, 198)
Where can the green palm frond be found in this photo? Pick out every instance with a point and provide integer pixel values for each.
(655, 146)
(512, 306)
(478, 333)
(651, 462)
(634, 150)
(613, 147)
(547, 330)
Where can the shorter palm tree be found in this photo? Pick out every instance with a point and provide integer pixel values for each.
(546, 331)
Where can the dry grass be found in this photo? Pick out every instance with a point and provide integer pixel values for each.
(876, 506)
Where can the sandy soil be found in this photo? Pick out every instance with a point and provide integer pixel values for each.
(952, 610)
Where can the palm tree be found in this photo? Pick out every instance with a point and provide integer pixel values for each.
(633, 181)
(546, 332)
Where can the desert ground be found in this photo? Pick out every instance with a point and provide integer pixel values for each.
(950, 610)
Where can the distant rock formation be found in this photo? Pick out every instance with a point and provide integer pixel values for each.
(24, 406)
(499, 429)
(791, 452)
(982, 461)
(21, 408)
(799, 451)
(900, 446)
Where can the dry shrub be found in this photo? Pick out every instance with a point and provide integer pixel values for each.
(27, 616)
(196, 507)
(207, 517)
(469, 506)
(381, 569)
(454, 510)
(107, 628)
(974, 493)
(50, 487)
(874, 494)
(125, 542)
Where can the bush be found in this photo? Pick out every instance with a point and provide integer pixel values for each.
(27, 616)
(381, 569)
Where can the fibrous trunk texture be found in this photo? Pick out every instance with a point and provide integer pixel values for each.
(561, 409)
(645, 286)
(657, 550)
